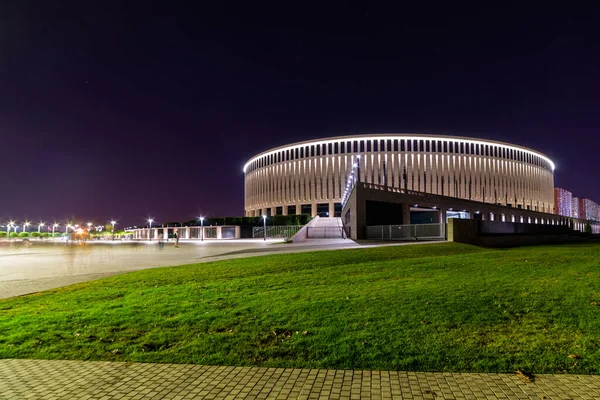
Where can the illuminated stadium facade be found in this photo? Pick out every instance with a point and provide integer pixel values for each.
(311, 177)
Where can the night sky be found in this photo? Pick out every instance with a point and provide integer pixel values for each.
(129, 111)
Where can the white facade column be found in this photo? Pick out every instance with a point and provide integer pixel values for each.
(331, 209)
(219, 233)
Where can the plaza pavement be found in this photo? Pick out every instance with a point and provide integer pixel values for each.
(31, 267)
(47, 379)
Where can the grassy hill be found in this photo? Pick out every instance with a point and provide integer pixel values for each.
(435, 307)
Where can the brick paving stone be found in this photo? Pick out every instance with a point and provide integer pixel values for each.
(54, 380)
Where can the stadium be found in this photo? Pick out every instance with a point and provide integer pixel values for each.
(311, 177)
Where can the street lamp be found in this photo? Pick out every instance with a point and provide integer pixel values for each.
(89, 224)
(202, 227)
(150, 220)
(113, 222)
(11, 224)
(67, 228)
(40, 227)
(25, 225)
(53, 228)
(265, 227)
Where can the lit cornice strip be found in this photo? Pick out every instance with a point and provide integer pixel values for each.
(400, 136)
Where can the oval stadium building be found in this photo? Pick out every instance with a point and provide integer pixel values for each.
(310, 177)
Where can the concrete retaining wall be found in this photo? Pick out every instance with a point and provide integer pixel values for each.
(509, 234)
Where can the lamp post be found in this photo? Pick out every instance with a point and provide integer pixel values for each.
(54, 226)
(113, 222)
(11, 224)
(265, 227)
(89, 224)
(202, 228)
(67, 228)
(150, 220)
(25, 225)
(40, 227)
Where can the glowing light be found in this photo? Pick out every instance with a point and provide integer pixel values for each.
(410, 136)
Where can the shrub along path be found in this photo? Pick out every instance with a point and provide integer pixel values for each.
(439, 307)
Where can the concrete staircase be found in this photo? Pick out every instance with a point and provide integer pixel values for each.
(320, 228)
(325, 228)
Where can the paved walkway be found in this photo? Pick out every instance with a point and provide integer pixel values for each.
(43, 379)
(29, 268)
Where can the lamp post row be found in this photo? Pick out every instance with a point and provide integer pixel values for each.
(12, 225)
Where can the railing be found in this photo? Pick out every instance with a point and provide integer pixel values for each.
(406, 232)
(330, 232)
(278, 231)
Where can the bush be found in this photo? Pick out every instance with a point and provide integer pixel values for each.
(24, 234)
(46, 234)
(14, 234)
(3, 234)
(56, 234)
(35, 234)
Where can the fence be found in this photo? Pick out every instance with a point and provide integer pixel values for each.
(279, 231)
(405, 232)
(324, 232)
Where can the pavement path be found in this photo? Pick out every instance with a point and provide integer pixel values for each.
(48, 379)
(32, 267)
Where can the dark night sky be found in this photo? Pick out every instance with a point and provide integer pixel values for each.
(112, 111)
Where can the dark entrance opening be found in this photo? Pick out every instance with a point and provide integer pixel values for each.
(424, 217)
(323, 210)
(337, 210)
(380, 213)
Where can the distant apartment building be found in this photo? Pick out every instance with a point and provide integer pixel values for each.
(588, 209)
(575, 207)
(563, 202)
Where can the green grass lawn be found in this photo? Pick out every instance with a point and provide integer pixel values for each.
(435, 307)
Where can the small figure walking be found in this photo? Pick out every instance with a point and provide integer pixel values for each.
(176, 235)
